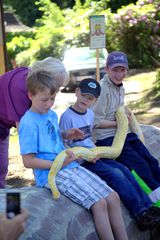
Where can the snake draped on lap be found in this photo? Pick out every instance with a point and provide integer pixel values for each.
(89, 154)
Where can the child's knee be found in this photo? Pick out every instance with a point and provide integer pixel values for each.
(117, 173)
(113, 199)
(100, 204)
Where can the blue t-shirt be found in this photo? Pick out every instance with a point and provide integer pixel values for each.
(39, 134)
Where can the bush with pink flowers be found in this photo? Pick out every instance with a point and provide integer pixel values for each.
(135, 29)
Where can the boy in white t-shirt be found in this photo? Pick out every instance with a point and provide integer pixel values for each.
(79, 115)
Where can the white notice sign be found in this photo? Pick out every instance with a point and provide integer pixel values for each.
(97, 32)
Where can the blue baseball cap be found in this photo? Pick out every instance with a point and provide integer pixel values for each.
(90, 86)
(117, 59)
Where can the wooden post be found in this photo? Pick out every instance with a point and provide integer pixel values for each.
(97, 65)
(2, 42)
(97, 37)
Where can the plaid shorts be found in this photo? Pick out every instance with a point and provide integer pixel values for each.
(82, 186)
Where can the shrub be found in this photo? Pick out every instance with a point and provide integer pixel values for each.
(135, 29)
(49, 35)
(16, 43)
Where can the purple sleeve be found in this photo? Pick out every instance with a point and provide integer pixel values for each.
(14, 101)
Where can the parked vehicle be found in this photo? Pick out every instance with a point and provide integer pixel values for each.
(81, 63)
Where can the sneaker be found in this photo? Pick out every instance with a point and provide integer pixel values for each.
(149, 220)
(154, 211)
(155, 195)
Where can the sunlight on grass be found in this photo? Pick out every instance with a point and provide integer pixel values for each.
(142, 97)
(13, 143)
(13, 139)
(145, 80)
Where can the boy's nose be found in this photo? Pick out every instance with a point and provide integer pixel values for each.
(120, 74)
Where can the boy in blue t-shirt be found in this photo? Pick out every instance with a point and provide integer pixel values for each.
(41, 141)
(79, 115)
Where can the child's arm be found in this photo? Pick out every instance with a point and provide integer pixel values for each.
(106, 124)
(30, 161)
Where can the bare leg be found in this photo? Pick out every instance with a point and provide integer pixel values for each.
(115, 217)
(101, 219)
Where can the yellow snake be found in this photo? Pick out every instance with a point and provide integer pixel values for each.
(89, 154)
(135, 127)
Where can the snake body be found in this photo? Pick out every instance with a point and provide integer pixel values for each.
(87, 154)
(135, 127)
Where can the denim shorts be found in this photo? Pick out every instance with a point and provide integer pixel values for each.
(82, 186)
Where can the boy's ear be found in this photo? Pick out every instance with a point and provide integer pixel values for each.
(77, 90)
(29, 95)
(106, 68)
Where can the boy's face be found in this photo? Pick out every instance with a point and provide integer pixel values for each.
(116, 74)
(84, 100)
(42, 101)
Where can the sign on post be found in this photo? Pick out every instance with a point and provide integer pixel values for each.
(97, 32)
(97, 37)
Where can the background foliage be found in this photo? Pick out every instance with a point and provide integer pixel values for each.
(28, 11)
(134, 29)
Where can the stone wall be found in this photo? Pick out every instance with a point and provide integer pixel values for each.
(65, 220)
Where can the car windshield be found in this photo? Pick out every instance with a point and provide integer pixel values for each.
(82, 54)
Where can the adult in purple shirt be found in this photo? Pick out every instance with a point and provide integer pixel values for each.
(14, 101)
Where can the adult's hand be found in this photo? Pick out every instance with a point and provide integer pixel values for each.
(11, 229)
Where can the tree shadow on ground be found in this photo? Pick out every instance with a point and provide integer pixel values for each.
(149, 99)
(142, 106)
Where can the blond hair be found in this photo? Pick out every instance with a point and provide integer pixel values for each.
(38, 81)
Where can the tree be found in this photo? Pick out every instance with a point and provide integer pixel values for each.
(26, 10)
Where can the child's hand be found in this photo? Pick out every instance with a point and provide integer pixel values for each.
(73, 133)
(95, 160)
(69, 158)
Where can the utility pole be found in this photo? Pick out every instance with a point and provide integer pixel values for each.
(3, 62)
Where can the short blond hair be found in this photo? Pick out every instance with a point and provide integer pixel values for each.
(52, 65)
(39, 80)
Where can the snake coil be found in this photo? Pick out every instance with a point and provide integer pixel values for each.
(89, 154)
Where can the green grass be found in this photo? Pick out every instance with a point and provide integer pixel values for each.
(149, 94)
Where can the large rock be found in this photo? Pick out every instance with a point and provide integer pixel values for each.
(65, 220)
